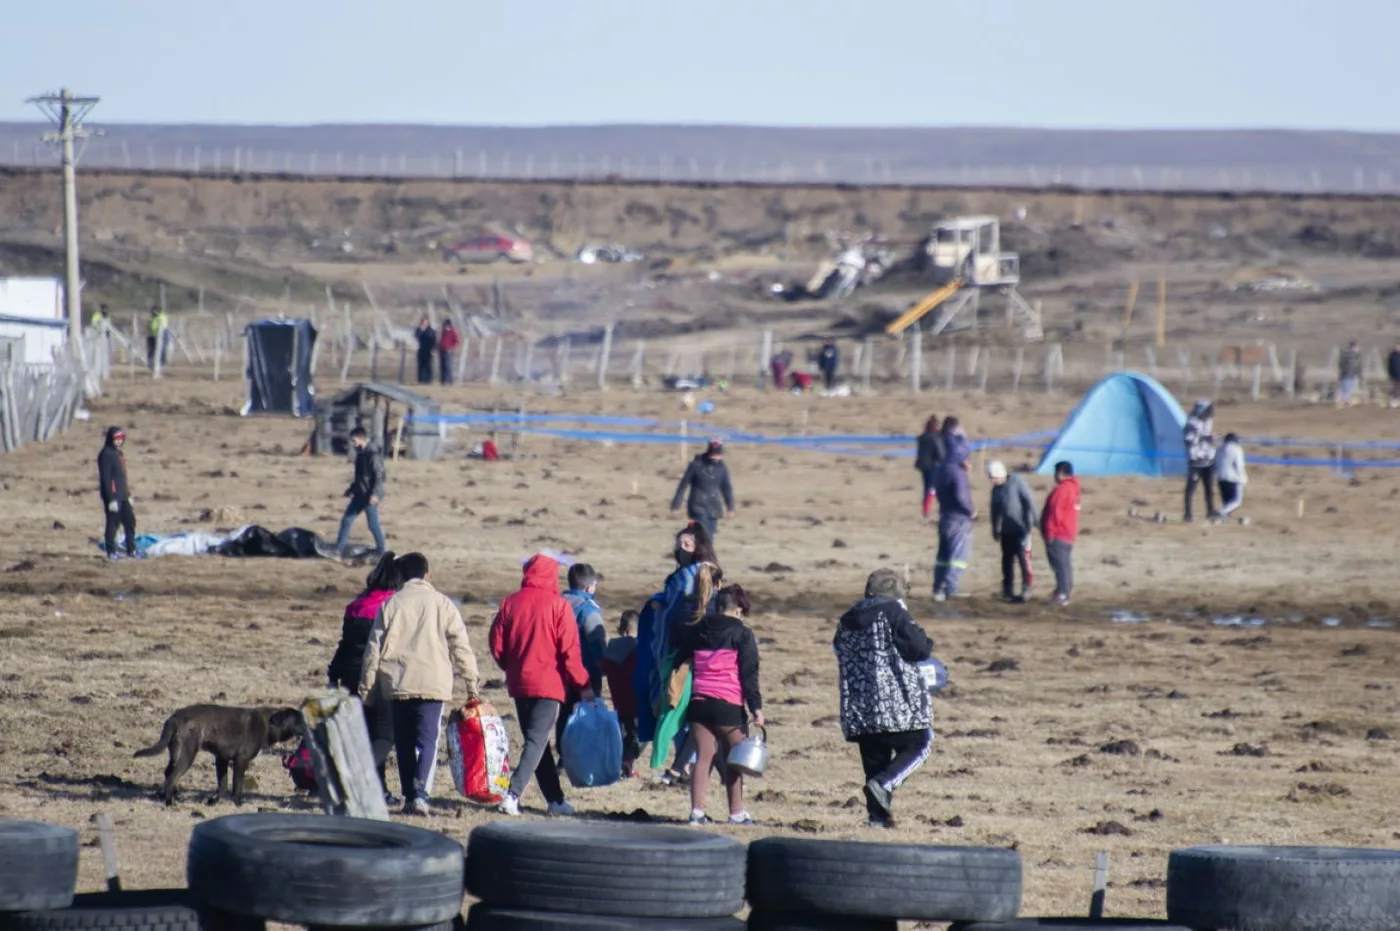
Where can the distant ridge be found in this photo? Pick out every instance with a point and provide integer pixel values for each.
(1210, 159)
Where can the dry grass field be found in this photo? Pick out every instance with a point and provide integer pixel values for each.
(1132, 738)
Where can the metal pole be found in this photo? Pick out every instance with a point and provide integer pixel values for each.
(70, 224)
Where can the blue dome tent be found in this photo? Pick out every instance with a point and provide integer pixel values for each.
(1127, 424)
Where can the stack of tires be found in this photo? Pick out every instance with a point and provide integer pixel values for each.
(324, 872)
(1284, 888)
(814, 885)
(553, 875)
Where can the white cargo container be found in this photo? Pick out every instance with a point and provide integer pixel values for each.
(32, 327)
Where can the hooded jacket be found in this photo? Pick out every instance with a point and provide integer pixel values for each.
(931, 451)
(1198, 435)
(593, 636)
(1229, 464)
(954, 490)
(723, 655)
(1060, 521)
(418, 640)
(111, 471)
(1013, 509)
(711, 494)
(369, 475)
(878, 647)
(348, 663)
(534, 638)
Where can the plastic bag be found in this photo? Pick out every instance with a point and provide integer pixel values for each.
(478, 753)
(935, 674)
(592, 745)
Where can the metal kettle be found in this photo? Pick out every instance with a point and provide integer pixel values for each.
(750, 756)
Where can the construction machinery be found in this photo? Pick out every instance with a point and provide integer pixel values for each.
(966, 259)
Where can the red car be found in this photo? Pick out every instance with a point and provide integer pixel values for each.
(489, 248)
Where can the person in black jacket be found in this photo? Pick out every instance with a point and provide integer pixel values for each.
(884, 702)
(116, 495)
(1392, 370)
(723, 656)
(711, 494)
(427, 346)
(349, 659)
(829, 360)
(365, 491)
(931, 453)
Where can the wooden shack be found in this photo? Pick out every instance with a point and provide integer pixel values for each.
(392, 415)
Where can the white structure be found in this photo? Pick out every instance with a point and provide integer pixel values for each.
(33, 328)
(967, 251)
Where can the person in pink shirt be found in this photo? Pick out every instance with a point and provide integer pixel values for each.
(723, 655)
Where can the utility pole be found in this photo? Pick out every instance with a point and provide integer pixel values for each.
(67, 112)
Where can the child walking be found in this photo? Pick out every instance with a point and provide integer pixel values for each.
(723, 655)
(1230, 475)
(620, 666)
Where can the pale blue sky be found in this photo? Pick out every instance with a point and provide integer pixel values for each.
(1062, 63)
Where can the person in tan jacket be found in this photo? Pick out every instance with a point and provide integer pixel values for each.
(417, 642)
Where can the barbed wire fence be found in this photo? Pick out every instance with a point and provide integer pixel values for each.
(867, 169)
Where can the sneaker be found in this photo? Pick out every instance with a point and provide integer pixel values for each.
(698, 817)
(510, 805)
(742, 817)
(879, 796)
(392, 800)
(940, 596)
(880, 824)
(417, 808)
(1010, 599)
(1026, 594)
(1059, 601)
(560, 809)
(114, 557)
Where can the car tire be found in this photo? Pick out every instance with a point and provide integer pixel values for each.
(38, 866)
(329, 871)
(866, 880)
(1069, 924)
(139, 910)
(593, 868)
(787, 921)
(486, 918)
(1298, 888)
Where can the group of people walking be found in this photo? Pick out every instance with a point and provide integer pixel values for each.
(443, 343)
(942, 457)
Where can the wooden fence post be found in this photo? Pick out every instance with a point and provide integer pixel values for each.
(605, 355)
(950, 370)
(1017, 367)
(869, 362)
(764, 355)
(916, 358)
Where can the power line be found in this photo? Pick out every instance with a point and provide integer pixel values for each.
(67, 111)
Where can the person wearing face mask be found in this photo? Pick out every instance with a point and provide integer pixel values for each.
(656, 623)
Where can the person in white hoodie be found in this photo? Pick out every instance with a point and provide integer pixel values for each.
(1230, 474)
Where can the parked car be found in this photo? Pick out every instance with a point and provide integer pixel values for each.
(489, 248)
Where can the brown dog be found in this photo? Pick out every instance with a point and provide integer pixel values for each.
(234, 735)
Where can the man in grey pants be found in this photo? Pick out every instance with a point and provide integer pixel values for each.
(535, 641)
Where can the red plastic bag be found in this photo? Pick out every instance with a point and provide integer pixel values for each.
(478, 753)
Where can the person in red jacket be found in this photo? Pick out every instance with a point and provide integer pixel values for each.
(1059, 525)
(534, 639)
(448, 342)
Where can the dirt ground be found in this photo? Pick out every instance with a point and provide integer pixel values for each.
(1131, 738)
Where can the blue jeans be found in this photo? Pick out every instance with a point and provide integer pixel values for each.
(371, 512)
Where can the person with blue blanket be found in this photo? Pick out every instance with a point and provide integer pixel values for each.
(956, 512)
(592, 635)
(656, 624)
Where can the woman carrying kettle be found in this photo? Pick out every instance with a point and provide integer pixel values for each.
(723, 656)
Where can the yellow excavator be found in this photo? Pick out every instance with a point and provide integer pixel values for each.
(921, 309)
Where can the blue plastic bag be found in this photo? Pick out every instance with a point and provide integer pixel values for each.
(592, 746)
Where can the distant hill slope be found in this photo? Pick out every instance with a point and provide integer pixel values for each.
(1206, 159)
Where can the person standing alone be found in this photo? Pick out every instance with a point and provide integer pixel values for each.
(157, 339)
(427, 345)
(366, 490)
(829, 360)
(711, 495)
(116, 494)
(1059, 524)
(1013, 521)
(417, 642)
(534, 639)
(1199, 438)
(1392, 370)
(928, 459)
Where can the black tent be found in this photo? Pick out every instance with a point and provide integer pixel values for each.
(279, 354)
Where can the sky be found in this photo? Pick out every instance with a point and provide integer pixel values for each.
(1308, 64)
